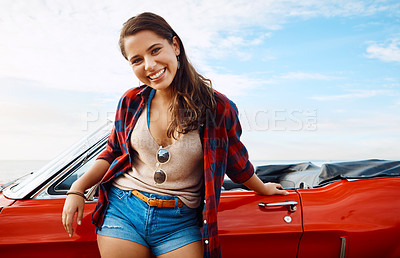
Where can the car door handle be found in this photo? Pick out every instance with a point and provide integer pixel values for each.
(291, 205)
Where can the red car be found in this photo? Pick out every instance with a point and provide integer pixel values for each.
(348, 209)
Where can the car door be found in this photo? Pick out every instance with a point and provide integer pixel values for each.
(32, 227)
(251, 225)
(352, 219)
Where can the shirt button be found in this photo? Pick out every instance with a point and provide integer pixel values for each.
(206, 242)
(205, 221)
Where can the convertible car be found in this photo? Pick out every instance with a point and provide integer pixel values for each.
(346, 209)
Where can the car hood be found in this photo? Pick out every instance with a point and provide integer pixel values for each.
(4, 201)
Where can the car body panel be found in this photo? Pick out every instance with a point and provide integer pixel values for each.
(258, 231)
(363, 212)
(34, 227)
(4, 201)
(341, 214)
(357, 211)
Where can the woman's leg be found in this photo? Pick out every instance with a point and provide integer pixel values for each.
(192, 250)
(111, 247)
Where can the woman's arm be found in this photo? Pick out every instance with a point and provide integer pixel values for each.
(91, 177)
(75, 203)
(255, 184)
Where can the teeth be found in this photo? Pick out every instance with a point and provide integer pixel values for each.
(157, 74)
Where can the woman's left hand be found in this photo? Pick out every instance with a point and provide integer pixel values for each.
(255, 184)
(272, 189)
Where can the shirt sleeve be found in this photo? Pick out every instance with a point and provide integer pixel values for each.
(239, 167)
(113, 149)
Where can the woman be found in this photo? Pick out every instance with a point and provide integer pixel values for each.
(173, 140)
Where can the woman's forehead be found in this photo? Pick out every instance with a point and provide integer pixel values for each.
(142, 40)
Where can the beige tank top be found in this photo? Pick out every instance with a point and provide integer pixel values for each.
(184, 170)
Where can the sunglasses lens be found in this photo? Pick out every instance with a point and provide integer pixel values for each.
(162, 155)
(159, 176)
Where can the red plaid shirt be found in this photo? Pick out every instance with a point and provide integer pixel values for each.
(223, 153)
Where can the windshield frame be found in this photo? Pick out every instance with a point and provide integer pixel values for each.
(27, 186)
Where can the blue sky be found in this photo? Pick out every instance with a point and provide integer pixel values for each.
(313, 80)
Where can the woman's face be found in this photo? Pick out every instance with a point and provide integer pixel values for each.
(153, 58)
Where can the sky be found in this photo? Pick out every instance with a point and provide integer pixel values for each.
(313, 80)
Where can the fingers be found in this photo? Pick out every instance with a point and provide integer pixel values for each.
(274, 188)
(279, 190)
(79, 216)
(282, 192)
(67, 218)
(72, 205)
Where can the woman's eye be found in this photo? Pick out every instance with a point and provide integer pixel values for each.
(135, 61)
(156, 50)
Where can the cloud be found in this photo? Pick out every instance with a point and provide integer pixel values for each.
(73, 44)
(234, 85)
(355, 94)
(387, 52)
(234, 45)
(308, 76)
(382, 124)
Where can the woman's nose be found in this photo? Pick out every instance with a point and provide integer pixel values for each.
(149, 64)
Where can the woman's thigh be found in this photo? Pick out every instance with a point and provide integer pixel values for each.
(130, 221)
(111, 247)
(192, 250)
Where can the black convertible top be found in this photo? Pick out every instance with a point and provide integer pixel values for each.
(307, 175)
(359, 169)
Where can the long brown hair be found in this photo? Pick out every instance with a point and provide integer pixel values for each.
(193, 95)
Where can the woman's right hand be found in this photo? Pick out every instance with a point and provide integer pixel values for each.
(73, 204)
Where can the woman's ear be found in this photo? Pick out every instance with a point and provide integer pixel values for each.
(176, 46)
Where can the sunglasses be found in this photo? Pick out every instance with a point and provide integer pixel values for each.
(162, 157)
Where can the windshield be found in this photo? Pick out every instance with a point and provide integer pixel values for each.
(27, 183)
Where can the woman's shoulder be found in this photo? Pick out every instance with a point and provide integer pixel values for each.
(133, 92)
(223, 102)
(133, 95)
(220, 97)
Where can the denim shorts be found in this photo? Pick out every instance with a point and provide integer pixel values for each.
(161, 229)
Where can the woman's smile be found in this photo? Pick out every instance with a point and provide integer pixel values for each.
(158, 76)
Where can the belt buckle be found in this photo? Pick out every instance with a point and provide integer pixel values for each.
(150, 199)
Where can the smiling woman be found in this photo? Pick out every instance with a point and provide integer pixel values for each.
(176, 114)
(157, 60)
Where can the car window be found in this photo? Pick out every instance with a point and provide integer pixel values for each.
(65, 184)
(61, 186)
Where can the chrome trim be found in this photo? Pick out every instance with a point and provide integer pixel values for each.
(43, 193)
(291, 205)
(343, 247)
(273, 204)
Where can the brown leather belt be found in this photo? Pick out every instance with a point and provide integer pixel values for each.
(160, 203)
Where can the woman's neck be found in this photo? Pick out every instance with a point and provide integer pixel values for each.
(163, 97)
